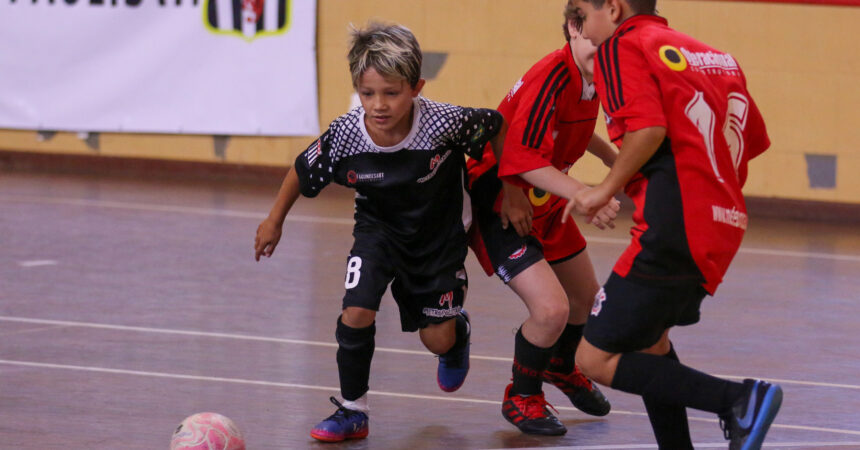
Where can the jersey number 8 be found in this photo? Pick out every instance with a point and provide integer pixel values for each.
(353, 267)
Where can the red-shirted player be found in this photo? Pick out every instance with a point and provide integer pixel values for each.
(686, 127)
(552, 111)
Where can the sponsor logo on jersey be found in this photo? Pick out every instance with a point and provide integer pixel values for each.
(538, 197)
(435, 163)
(673, 58)
(731, 217)
(518, 254)
(352, 177)
(598, 302)
(514, 89)
(448, 298)
(708, 62)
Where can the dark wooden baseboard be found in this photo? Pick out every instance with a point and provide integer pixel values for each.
(269, 175)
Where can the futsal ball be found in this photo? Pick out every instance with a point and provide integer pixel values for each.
(207, 431)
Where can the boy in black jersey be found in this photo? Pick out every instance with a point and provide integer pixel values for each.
(403, 154)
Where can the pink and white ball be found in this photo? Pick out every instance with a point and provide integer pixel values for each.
(207, 431)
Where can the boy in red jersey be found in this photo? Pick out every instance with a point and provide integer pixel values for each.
(686, 127)
(517, 206)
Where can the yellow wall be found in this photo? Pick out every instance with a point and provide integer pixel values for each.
(801, 63)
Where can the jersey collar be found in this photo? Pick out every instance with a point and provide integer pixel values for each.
(416, 119)
(639, 19)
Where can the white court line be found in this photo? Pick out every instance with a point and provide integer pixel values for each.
(246, 337)
(338, 221)
(337, 389)
(38, 262)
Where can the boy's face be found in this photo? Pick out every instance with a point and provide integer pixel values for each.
(583, 50)
(597, 24)
(387, 102)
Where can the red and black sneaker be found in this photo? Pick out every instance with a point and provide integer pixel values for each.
(580, 390)
(530, 414)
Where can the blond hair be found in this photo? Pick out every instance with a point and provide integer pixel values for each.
(391, 50)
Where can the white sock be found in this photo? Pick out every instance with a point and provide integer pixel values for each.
(360, 404)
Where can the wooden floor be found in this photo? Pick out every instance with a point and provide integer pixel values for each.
(126, 305)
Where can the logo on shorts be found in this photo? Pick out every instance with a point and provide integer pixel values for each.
(538, 197)
(598, 302)
(448, 298)
(518, 254)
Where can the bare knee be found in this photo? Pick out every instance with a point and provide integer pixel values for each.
(355, 317)
(551, 316)
(596, 364)
(438, 337)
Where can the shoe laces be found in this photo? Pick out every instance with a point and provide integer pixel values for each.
(534, 406)
(343, 413)
(577, 378)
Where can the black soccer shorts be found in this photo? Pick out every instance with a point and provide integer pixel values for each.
(629, 316)
(423, 298)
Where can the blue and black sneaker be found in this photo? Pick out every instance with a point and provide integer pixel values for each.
(752, 414)
(344, 424)
(454, 365)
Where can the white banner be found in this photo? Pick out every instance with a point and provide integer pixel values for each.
(159, 66)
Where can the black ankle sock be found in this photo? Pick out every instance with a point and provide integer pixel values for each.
(529, 363)
(669, 422)
(564, 351)
(461, 327)
(670, 382)
(354, 352)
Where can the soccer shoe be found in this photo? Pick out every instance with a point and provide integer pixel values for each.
(344, 424)
(530, 414)
(751, 415)
(580, 390)
(454, 365)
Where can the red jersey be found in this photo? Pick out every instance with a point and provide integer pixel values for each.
(551, 113)
(690, 213)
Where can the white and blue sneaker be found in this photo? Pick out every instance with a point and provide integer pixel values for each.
(752, 414)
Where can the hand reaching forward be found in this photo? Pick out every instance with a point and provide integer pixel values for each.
(268, 236)
(599, 207)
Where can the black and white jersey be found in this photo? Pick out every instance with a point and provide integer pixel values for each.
(413, 191)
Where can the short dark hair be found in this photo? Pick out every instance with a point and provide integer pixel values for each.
(638, 6)
(570, 14)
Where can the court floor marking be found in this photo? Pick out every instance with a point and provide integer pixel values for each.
(246, 337)
(696, 445)
(349, 221)
(179, 376)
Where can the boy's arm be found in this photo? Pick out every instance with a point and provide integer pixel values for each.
(598, 147)
(269, 230)
(636, 149)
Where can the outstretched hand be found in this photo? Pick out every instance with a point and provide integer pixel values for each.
(599, 207)
(268, 236)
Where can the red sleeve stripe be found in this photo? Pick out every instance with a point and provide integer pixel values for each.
(547, 92)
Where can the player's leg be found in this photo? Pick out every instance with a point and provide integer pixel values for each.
(524, 404)
(519, 262)
(629, 317)
(576, 275)
(366, 281)
(434, 305)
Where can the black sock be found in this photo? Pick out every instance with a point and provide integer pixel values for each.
(354, 352)
(670, 382)
(564, 351)
(461, 333)
(529, 363)
(669, 422)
